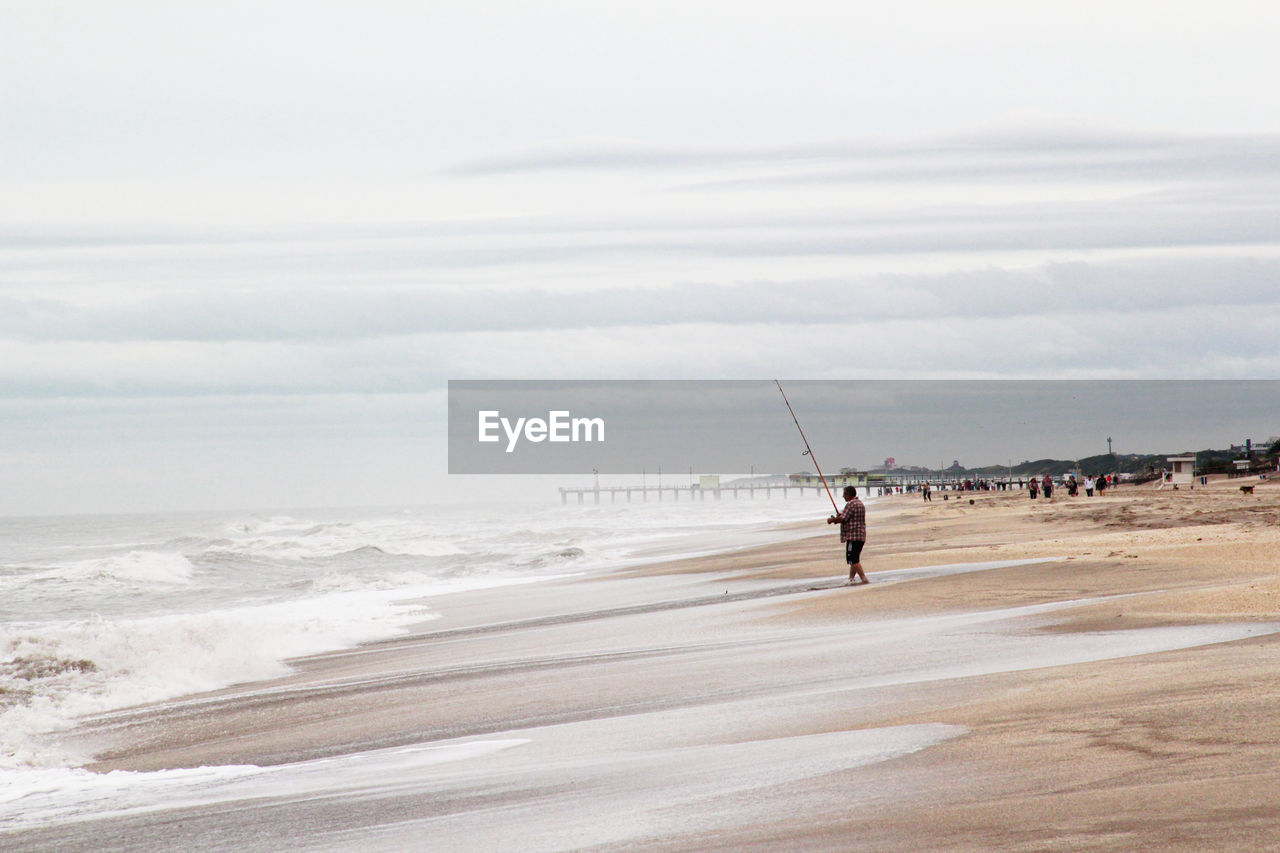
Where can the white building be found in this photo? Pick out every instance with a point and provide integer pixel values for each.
(1182, 471)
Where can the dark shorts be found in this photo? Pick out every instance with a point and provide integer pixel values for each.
(853, 551)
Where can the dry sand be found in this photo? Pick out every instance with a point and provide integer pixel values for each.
(706, 703)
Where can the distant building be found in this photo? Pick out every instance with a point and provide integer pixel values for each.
(844, 478)
(1182, 471)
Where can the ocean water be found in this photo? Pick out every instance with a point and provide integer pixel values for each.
(104, 612)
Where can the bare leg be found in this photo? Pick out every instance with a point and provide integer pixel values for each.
(855, 570)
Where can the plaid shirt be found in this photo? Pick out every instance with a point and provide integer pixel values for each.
(853, 521)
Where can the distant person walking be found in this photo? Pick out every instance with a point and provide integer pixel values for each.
(1034, 488)
(1088, 486)
(1047, 486)
(853, 532)
(1102, 486)
(927, 492)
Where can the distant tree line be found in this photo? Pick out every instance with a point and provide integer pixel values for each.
(1137, 464)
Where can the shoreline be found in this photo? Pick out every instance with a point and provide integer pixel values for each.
(1075, 686)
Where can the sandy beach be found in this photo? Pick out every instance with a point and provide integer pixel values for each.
(1074, 674)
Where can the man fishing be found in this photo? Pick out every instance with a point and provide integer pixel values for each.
(853, 532)
(853, 518)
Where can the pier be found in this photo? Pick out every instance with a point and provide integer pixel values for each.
(876, 486)
(691, 492)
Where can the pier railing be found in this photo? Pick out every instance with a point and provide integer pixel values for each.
(693, 492)
(752, 490)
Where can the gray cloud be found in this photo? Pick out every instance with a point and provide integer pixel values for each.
(1074, 341)
(378, 311)
(1068, 154)
(1244, 158)
(524, 251)
(626, 155)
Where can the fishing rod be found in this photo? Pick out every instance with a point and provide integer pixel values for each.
(808, 451)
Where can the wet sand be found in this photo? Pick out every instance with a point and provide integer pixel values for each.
(1080, 674)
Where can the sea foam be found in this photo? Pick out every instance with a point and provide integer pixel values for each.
(56, 672)
(102, 613)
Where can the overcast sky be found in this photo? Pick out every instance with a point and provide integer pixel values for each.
(243, 246)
